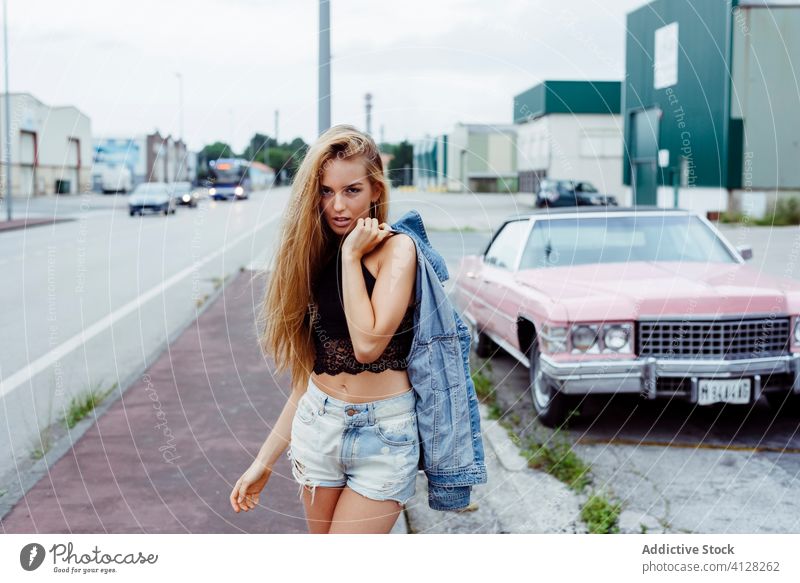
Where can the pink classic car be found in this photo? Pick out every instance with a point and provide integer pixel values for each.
(605, 300)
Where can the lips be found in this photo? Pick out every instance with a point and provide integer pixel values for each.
(341, 222)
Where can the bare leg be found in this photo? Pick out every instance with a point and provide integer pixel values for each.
(358, 514)
(319, 514)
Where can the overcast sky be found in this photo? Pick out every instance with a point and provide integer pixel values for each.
(427, 63)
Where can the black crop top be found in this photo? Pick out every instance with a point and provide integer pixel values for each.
(333, 347)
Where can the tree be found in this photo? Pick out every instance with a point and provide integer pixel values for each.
(403, 156)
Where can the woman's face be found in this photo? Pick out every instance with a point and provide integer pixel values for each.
(345, 192)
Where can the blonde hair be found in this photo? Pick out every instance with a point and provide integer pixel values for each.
(305, 241)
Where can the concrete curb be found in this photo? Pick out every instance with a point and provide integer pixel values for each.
(516, 499)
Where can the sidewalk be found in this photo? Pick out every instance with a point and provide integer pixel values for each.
(25, 223)
(164, 456)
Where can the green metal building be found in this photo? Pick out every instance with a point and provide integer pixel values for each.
(711, 103)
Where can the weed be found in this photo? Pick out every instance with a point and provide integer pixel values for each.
(483, 385)
(601, 515)
(559, 461)
(83, 403)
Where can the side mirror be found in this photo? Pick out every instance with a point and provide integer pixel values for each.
(746, 251)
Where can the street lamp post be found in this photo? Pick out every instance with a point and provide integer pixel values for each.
(180, 103)
(8, 114)
(324, 115)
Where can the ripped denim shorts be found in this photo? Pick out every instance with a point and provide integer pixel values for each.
(373, 447)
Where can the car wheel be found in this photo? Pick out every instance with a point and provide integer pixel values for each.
(552, 406)
(166, 210)
(784, 402)
(131, 213)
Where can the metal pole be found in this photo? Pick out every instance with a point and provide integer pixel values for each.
(368, 108)
(8, 114)
(180, 101)
(324, 115)
(230, 114)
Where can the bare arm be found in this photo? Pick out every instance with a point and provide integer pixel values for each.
(373, 322)
(280, 435)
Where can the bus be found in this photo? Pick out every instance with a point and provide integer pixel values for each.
(236, 178)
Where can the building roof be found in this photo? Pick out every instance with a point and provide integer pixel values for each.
(488, 128)
(567, 97)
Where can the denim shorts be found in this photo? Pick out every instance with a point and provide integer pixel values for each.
(373, 447)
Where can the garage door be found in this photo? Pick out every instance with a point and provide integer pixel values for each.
(27, 163)
(72, 169)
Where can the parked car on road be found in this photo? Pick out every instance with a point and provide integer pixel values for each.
(185, 193)
(558, 193)
(152, 196)
(644, 300)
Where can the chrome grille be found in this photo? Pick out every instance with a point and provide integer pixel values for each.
(729, 339)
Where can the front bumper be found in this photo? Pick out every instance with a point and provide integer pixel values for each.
(653, 377)
(156, 208)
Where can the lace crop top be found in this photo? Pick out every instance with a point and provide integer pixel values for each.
(333, 347)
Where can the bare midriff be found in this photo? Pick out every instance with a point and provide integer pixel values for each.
(365, 386)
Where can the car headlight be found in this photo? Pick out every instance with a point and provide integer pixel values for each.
(796, 334)
(239, 190)
(554, 338)
(212, 191)
(616, 337)
(584, 337)
(186, 198)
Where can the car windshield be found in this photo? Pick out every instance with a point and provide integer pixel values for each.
(586, 240)
(565, 186)
(585, 187)
(181, 188)
(150, 189)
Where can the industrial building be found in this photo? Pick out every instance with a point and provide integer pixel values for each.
(51, 147)
(148, 158)
(570, 130)
(430, 163)
(710, 104)
(482, 158)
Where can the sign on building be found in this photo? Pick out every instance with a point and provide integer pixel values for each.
(665, 60)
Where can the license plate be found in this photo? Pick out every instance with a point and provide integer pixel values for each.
(723, 391)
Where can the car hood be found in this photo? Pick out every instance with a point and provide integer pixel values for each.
(627, 291)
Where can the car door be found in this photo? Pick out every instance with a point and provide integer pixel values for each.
(499, 302)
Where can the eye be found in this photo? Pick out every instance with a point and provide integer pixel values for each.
(354, 190)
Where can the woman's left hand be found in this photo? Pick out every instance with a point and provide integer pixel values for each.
(365, 236)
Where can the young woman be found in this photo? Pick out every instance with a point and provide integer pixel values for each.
(339, 312)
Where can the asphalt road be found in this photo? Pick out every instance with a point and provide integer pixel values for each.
(92, 301)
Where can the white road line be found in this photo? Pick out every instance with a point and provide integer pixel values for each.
(43, 362)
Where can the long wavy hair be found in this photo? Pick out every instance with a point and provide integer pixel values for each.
(305, 244)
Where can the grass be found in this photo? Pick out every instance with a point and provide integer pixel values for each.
(483, 386)
(559, 460)
(45, 443)
(783, 213)
(601, 515)
(82, 404)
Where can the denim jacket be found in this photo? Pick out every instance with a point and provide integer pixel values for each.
(451, 447)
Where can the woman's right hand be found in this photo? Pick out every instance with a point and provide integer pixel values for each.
(248, 488)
